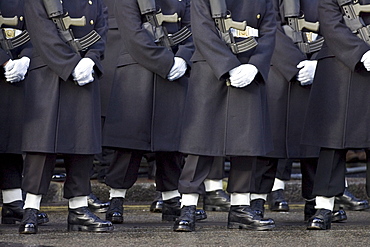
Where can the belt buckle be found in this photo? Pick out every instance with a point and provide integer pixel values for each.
(9, 33)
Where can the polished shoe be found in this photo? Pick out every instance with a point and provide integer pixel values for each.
(217, 200)
(309, 211)
(321, 220)
(156, 206)
(59, 177)
(115, 210)
(95, 205)
(338, 216)
(350, 202)
(29, 224)
(258, 206)
(82, 219)
(13, 212)
(200, 214)
(186, 221)
(243, 217)
(277, 201)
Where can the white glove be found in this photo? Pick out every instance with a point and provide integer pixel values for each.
(15, 70)
(366, 60)
(83, 71)
(307, 72)
(243, 75)
(178, 69)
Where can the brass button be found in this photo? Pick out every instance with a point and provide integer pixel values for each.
(90, 2)
(21, 18)
(92, 22)
(258, 16)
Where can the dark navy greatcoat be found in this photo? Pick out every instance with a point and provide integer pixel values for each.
(11, 100)
(338, 115)
(221, 120)
(287, 99)
(145, 109)
(62, 117)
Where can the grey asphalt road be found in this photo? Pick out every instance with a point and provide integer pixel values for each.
(143, 228)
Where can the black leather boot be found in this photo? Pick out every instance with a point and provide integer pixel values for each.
(350, 202)
(115, 210)
(29, 222)
(157, 204)
(217, 200)
(186, 221)
(243, 217)
(13, 212)
(200, 214)
(321, 220)
(277, 202)
(82, 219)
(258, 206)
(309, 211)
(95, 205)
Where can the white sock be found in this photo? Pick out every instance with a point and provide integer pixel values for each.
(117, 193)
(77, 202)
(240, 199)
(32, 201)
(213, 185)
(189, 200)
(258, 196)
(325, 202)
(278, 185)
(12, 195)
(166, 195)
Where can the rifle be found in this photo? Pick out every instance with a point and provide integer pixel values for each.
(6, 44)
(225, 24)
(63, 21)
(351, 16)
(296, 25)
(154, 20)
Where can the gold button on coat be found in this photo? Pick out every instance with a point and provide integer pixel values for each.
(92, 22)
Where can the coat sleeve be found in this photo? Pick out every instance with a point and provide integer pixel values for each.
(262, 54)
(208, 42)
(346, 46)
(286, 55)
(55, 53)
(186, 48)
(139, 44)
(96, 51)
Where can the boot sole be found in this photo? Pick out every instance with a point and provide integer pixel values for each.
(183, 229)
(82, 228)
(317, 226)
(235, 225)
(28, 231)
(115, 220)
(355, 208)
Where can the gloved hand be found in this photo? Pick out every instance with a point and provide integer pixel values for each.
(83, 71)
(243, 75)
(178, 69)
(15, 70)
(365, 59)
(307, 72)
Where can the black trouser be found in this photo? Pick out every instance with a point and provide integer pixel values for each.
(330, 174)
(11, 166)
(197, 169)
(266, 169)
(217, 171)
(284, 169)
(124, 170)
(39, 167)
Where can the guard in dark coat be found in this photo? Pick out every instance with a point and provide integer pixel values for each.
(336, 117)
(147, 99)
(15, 62)
(222, 120)
(288, 89)
(63, 106)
